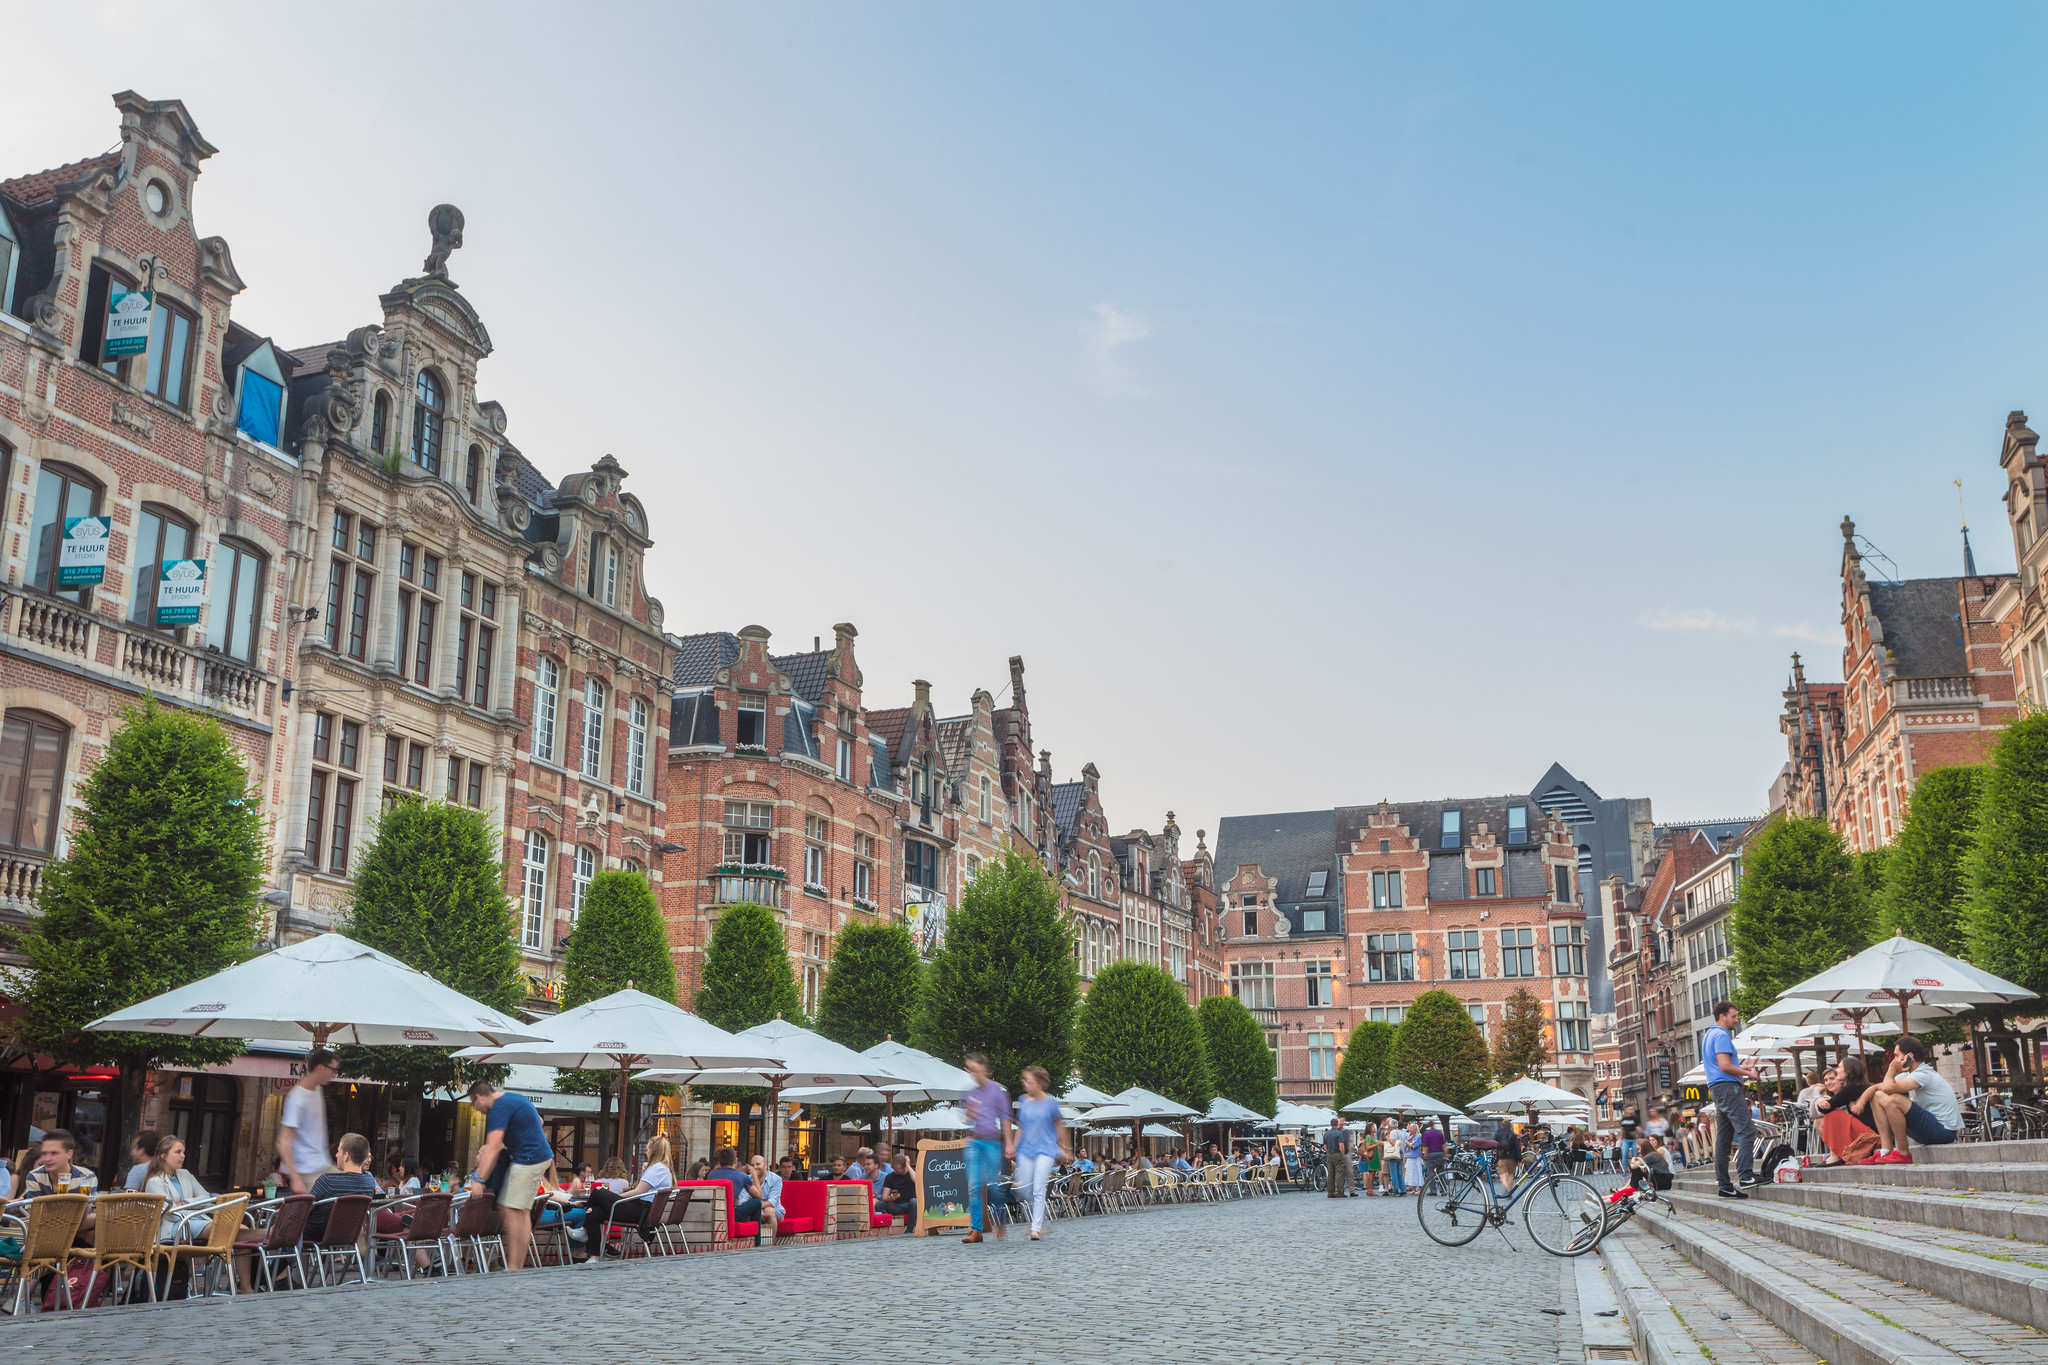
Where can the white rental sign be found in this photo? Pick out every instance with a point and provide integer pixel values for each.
(82, 556)
(180, 588)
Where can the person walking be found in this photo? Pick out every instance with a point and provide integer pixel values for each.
(1734, 1130)
(1630, 1126)
(1036, 1145)
(1337, 1158)
(989, 1131)
(302, 1151)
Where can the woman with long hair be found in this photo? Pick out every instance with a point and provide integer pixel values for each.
(1035, 1141)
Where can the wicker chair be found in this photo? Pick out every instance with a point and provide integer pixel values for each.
(279, 1242)
(427, 1234)
(218, 1250)
(47, 1229)
(125, 1228)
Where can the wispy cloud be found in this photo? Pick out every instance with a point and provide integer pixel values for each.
(1711, 621)
(1113, 328)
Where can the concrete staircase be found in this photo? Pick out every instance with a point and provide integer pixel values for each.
(1939, 1262)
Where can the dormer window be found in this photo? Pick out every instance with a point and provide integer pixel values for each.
(259, 412)
(428, 405)
(10, 262)
(473, 475)
(380, 422)
(753, 721)
(1518, 824)
(603, 579)
(1453, 825)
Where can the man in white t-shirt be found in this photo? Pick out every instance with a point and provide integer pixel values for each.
(302, 1128)
(1912, 1101)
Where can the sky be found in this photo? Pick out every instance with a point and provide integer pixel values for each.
(1328, 403)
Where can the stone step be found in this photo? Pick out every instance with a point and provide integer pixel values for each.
(2015, 1219)
(1843, 1314)
(2005, 1278)
(1984, 1153)
(1675, 1314)
(2029, 1177)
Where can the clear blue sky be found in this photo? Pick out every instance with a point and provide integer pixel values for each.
(1329, 404)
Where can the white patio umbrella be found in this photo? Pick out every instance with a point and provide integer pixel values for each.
(1903, 970)
(1399, 1101)
(1134, 1106)
(328, 989)
(1288, 1114)
(927, 1080)
(808, 1058)
(1532, 1095)
(1222, 1110)
(945, 1118)
(628, 1029)
(1160, 1130)
(1858, 1018)
(1083, 1095)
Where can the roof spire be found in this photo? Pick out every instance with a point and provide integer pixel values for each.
(1969, 560)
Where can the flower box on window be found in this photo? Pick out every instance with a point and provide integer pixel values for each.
(817, 889)
(749, 870)
(760, 749)
(863, 903)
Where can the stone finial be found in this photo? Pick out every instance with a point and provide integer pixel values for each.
(924, 691)
(445, 222)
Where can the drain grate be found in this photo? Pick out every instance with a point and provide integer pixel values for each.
(1611, 1353)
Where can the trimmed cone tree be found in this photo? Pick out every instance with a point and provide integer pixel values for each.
(1799, 910)
(870, 992)
(1240, 1063)
(620, 941)
(1439, 1051)
(156, 889)
(2005, 921)
(1925, 884)
(429, 890)
(1520, 1050)
(1004, 982)
(1135, 1028)
(1368, 1065)
(747, 981)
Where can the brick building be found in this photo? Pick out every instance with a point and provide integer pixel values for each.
(2017, 605)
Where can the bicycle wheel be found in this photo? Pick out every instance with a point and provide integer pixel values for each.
(1453, 1206)
(1565, 1215)
(1320, 1178)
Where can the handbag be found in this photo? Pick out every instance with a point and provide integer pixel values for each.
(1849, 1140)
(86, 1287)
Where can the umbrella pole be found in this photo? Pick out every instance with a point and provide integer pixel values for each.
(625, 1072)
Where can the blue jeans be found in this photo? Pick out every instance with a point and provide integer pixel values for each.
(1628, 1152)
(1734, 1130)
(984, 1167)
(1394, 1176)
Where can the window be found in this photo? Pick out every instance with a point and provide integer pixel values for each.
(473, 475)
(815, 834)
(1574, 1028)
(547, 685)
(534, 904)
(330, 808)
(1518, 824)
(380, 423)
(593, 729)
(1252, 982)
(1316, 882)
(1485, 881)
(753, 722)
(1322, 986)
(1386, 891)
(1462, 947)
(921, 864)
(351, 584)
(236, 614)
(1273, 1046)
(1453, 825)
(1251, 919)
(973, 867)
(984, 812)
(1390, 957)
(1518, 952)
(428, 403)
(747, 825)
(1322, 1056)
(1564, 883)
(1477, 1014)
(636, 747)
(452, 793)
(476, 784)
(1568, 949)
(1094, 877)
(419, 612)
(101, 285)
(260, 414)
(864, 868)
(579, 879)
(474, 637)
(610, 595)
(168, 367)
(1387, 1014)
(61, 493)
(1314, 919)
(160, 534)
(10, 258)
(32, 748)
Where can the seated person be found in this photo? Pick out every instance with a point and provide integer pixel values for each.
(1912, 1101)
(879, 1171)
(767, 1188)
(614, 1175)
(899, 1192)
(700, 1169)
(166, 1175)
(858, 1168)
(1845, 1124)
(786, 1168)
(839, 1169)
(57, 1172)
(655, 1176)
(141, 1151)
(746, 1193)
(350, 1175)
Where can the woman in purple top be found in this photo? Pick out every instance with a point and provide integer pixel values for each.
(1037, 1142)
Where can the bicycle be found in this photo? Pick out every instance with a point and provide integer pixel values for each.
(1564, 1214)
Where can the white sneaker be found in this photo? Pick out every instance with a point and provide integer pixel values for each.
(578, 1235)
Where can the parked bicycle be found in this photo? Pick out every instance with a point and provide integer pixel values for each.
(1564, 1214)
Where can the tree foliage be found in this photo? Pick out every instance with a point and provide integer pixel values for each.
(2005, 921)
(1368, 1065)
(428, 889)
(870, 992)
(1439, 1051)
(156, 889)
(1799, 910)
(1925, 885)
(747, 977)
(1135, 1028)
(1004, 981)
(1520, 1050)
(619, 941)
(1240, 1063)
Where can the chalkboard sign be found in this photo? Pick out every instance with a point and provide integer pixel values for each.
(942, 1191)
(1290, 1156)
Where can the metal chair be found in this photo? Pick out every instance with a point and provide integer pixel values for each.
(553, 1235)
(427, 1234)
(217, 1252)
(674, 1238)
(341, 1241)
(283, 1225)
(47, 1226)
(478, 1227)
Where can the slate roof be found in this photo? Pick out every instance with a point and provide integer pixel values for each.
(699, 657)
(530, 482)
(1288, 846)
(807, 672)
(44, 186)
(1066, 807)
(1921, 626)
(1425, 820)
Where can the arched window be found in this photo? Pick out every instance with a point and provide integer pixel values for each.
(1088, 960)
(473, 475)
(593, 729)
(428, 403)
(547, 693)
(61, 494)
(1094, 877)
(534, 910)
(160, 534)
(603, 578)
(32, 748)
(579, 879)
(236, 616)
(380, 423)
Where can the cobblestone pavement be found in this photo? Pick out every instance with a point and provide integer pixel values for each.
(1290, 1277)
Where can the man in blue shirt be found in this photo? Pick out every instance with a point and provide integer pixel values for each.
(514, 1157)
(1734, 1128)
